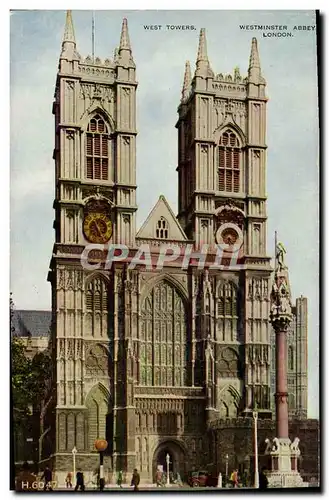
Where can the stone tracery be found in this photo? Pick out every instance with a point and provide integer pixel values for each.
(96, 300)
(162, 350)
(97, 402)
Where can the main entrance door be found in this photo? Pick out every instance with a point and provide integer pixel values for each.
(177, 459)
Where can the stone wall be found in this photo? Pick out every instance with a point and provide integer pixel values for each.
(62, 463)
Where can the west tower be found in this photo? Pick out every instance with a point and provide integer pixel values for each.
(222, 200)
(95, 202)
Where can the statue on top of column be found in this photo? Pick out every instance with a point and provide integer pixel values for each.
(280, 294)
(280, 251)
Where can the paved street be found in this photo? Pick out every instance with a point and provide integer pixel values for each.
(150, 487)
(145, 489)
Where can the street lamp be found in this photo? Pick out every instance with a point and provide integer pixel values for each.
(74, 452)
(101, 445)
(168, 461)
(255, 417)
(226, 470)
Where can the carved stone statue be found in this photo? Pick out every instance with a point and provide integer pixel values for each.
(280, 251)
(294, 445)
(276, 444)
(285, 300)
(268, 446)
(280, 297)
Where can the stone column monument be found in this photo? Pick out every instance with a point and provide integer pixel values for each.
(283, 452)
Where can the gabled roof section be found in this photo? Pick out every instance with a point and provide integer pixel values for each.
(150, 226)
(31, 323)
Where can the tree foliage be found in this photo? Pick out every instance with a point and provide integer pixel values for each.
(30, 378)
(21, 380)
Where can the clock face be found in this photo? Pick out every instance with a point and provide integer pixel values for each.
(229, 236)
(97, 227)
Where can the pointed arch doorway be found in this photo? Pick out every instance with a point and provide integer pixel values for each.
(177, 458)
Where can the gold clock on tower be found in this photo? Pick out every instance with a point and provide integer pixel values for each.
(97, 227)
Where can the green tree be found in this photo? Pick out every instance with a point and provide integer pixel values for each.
(40, 377)
(20, 375)
(21, 379)
(31, 383)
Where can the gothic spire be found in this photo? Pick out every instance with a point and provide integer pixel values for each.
(202, 51)
(254, 71)
(125, 58)
(124, 40)
(69, 30)
(187, 81)
(202, 62)
(69, 51)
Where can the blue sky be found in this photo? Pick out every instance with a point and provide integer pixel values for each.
(289, 66)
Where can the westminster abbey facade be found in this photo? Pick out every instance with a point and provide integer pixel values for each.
(145, 359)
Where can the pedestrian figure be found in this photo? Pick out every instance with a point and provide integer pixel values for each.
(263, 481)
(80, 483)
(179, 479)
(47, 476)
(120, 478)
(235, 478)
(158, 478)
(135, 480)
(68, 480)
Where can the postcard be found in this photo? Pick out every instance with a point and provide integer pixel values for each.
(164, 292)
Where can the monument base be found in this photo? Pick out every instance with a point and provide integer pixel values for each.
(284, 456)
(292, 479)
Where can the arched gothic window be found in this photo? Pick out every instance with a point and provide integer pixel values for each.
(97, 403)
(162, 229)
(228, 163)
(290, 358)
(96, 307)
(97, 149)
(227, 303)
(227, 310)
(163, 349)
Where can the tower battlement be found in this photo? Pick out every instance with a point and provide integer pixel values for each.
(121, 67)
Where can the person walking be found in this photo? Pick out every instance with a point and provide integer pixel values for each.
(47, 476)
(120, 479)
(263, 481)
(158, 478)
(235, 478)
(135, 480)
(179, 479)
(80, 483)
(68, 480)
